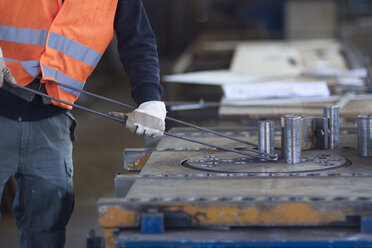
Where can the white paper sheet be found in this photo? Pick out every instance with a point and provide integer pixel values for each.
(275, 90)
(267, 60)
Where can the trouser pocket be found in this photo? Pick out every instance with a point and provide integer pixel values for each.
(72, 126)
(69, 174)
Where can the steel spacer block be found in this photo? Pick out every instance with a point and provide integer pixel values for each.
(152, 223)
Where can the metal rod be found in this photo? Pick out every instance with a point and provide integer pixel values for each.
(263, 156)
(214, 132)
(223, 148)
(180, 107)
(364, 123)
(332, 114)
(266, 136)
(345, 99)
(94, 95)
(73, 105)
(292, 139)
(171, 119)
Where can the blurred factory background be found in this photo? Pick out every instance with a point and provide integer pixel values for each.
(192, 35)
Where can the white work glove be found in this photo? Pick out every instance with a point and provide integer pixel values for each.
(5, 72)
(148, 119)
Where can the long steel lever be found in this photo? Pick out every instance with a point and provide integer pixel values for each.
(167, 118)
(261, 155)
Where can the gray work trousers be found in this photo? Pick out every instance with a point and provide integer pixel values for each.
(39, 155)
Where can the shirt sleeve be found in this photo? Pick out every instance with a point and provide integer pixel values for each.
(138, 50)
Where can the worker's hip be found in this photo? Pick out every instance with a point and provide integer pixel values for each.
(22, 143)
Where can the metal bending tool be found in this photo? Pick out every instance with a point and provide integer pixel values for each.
(255, 153)
(167, 118)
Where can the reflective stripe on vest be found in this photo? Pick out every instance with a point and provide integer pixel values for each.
(31, 66)
(60, 77)
(23, 35)
(73, 49)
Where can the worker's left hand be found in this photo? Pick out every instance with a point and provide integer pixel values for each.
(5, 75)
(148, 119)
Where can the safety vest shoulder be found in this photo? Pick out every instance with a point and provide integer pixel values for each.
(63, 42)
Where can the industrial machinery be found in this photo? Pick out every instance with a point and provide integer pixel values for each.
(318, 193)
(306, 183)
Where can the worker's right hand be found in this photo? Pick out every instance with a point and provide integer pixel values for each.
(5, 75)
(148, 119)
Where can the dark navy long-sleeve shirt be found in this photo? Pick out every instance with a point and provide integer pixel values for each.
(138, 51)
(138, 54)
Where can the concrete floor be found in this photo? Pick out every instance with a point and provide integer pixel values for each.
(97, 156)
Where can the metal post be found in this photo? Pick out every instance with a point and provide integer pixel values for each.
(332, 114)
(266, 136)
(364, 123)
(292, 139)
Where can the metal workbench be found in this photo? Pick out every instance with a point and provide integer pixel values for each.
(181, 194)
(192, 196)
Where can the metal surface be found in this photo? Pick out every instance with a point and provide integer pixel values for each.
(364, 123)
(229, 163)
(332, 114)
(135, 158)
(266, 136)
(292, 139)
(233, 191)
(326, 188)
(314, 133)
(267, 189)
(122, 184)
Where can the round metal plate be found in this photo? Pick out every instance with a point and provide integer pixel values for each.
(230, 163)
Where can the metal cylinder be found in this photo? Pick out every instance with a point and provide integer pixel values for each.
(332, 114)
(266, 136)
(364, 123)
(291, 139)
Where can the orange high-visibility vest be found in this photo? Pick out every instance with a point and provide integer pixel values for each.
(63, 42)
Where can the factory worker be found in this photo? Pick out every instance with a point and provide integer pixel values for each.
(62, 41)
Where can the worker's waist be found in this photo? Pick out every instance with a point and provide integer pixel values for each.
(26, 95)
(18, 104)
